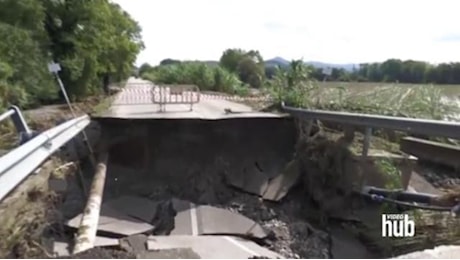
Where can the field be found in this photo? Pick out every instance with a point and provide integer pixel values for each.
(439, 102)
(447, 90)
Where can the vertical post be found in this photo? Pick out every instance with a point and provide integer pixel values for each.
(366, 142)
(19, 121)
(85, 137)
(25, 134)
(64, 92)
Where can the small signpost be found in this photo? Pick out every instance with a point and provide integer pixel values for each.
(327, 71)
(54, 68)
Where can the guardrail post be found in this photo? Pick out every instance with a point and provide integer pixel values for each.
(367, 140)
(25, 134)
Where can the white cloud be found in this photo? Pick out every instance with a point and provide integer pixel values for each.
(327, 30)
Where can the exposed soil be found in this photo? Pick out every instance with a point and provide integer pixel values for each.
(193, 160)
(102, 253)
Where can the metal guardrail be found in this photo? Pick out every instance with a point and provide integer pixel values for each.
(20, 124)
(16, 165)
(409, 125)
(412, 125)
(178, 94)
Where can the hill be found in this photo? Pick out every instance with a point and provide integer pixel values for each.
(278, 61)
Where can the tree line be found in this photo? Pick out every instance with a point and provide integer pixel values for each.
(235, 72)
(394, 70)
(251, 69)
(95, 42)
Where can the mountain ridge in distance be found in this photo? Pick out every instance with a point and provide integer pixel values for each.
(279, 61)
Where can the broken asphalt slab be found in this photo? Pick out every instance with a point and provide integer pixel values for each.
(211, 247)
(62, 248)
(207, 220)
(273, 188)
(136, 207)
(114, 222)
(137, 245)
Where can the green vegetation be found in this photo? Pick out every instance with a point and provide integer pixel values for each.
(235, 73)
(196, 73)
(296, 86)
(390, 71)
(94, 41)
(301, 85)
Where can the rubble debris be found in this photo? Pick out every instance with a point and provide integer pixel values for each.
(212, 246)
(102, 253)
(344, 245)
(114, 222)
(207, 220)
(440, 252)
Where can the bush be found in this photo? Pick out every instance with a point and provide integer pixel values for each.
(204, 76)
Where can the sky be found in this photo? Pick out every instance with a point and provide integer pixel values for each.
(334, 31)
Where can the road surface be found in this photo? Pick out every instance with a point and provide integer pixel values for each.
(135, 102)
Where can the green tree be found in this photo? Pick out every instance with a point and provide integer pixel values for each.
(231, 58)
(249, 65)
(92, 40)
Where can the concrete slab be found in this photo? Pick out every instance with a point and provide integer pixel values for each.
(185, 222)
(278, 187)
(208, 220)
(249, 179)
(114, 222)
(106, 241)
(181, 253)
(420, 184)
(431, 151)
(62, 248)
(270, 187)
(136, 207)
(440, 252)
(135, 244)
(212, 247)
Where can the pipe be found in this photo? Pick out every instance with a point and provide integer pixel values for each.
(88, 227)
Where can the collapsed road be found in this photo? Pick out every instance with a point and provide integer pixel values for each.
(203, 183)
(181, 176)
